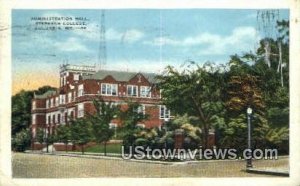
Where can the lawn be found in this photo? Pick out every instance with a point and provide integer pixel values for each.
(51, 166)
(110, 148)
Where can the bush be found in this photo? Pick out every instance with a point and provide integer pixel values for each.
(21, 141)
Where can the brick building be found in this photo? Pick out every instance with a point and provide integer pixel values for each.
(79, 85)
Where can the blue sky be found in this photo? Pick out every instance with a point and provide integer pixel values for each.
(136, 39)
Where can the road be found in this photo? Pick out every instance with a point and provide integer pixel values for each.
(50, 166)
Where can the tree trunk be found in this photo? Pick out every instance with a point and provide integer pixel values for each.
(205, 136)
(47, 144)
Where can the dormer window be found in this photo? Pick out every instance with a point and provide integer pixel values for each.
(132, 90)
(145, 91)
(109, 89)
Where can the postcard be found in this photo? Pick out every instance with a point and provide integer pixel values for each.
(124, 94)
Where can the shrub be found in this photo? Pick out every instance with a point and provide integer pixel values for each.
(21, 141)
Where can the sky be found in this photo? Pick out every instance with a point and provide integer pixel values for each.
(144, 40)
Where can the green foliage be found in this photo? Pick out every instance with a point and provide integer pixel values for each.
(21, 141)
(40, 135)
(21, 111)
(81, 132)
(278, 138)
(130, 117)
(100, 121)
(195, 91)
(110, 148)
(21, 108)
(63, 134)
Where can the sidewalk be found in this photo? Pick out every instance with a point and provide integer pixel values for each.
(281, 171)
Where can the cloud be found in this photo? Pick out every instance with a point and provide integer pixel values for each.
(240, 39)
(140, 65)
(129, 36)
(92, 31)
(163, 41)
(70, 45)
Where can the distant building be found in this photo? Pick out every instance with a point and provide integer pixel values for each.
(80, 85)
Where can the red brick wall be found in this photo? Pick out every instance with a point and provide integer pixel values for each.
(91, 87)
(40, 103)
(40, 119)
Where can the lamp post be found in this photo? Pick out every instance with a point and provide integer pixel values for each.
(249, 160)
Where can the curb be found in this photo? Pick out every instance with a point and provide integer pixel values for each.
(268, 172)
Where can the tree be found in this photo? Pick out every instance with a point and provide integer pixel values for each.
(243, 92)
(21, 141)
(40, 136)
(63, 134)
(100, 121)
(21, 111)
(195, 91)
(130, 117)
(21, 108)
(81, 132)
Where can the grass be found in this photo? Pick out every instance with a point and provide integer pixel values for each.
(110, 148)
(50, 166)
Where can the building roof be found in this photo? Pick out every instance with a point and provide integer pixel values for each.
(46, 94)
(120, 75)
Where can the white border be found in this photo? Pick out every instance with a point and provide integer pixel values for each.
(6, 80)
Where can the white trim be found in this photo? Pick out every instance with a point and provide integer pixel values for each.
(147, 91)
(33, 119)
(107, 86)
(132, 86)
(165, 109)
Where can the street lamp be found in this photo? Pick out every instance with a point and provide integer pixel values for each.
(249, 160)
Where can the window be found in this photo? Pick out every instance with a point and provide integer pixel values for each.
(76, 77)
(109, 89)
(164, 112)
(80, 90)
(145, 91)
(80, 110)
(52, 102)
(132, 90)
(49, 119)
(33, 105)
(70, 97)
(58, 118)
(62, 98)
(56, 101)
